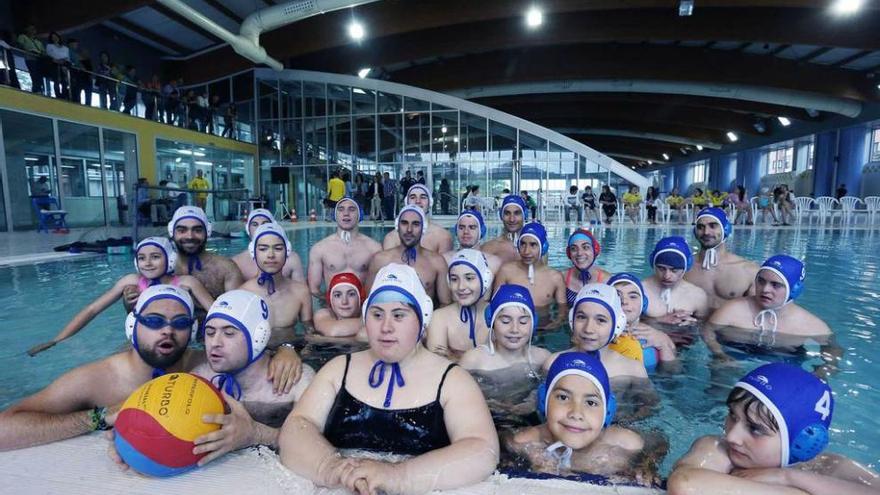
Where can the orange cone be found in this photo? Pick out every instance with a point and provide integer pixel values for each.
(313, 216)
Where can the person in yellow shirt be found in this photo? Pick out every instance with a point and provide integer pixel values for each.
(717, 198)
(676, 203)
(200, 183)
(631, 203)
(699, 200)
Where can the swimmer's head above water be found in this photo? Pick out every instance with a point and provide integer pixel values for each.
(670, 260)
(596, 318)
(532, 246)
(712, 227)
(161, 325)
(270, 249)
(513, 213)
(419, 195)
(237, 330)
(258, 217)
(470, 229)
(155, 257)
(778, 415)
(345, 294)
(576, 399)
(347, 213)
(779, 281)
(632, 295)
(582, 249)
(511, 318)
(469, 276)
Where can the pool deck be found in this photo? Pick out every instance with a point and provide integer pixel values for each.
(81, 466)
(30, 247)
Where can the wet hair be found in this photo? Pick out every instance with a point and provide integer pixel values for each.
(755, 410)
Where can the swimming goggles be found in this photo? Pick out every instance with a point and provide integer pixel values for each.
(156, 322)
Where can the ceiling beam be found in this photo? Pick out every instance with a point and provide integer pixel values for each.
(814, 53)
(224, 10)
(174, 16)
(52, 15)
(851, 58)
(779, 49)
(146, 33)
(623, 132)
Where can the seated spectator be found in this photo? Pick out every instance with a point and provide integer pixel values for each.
(765, 204)
(740, 201)
(631, 203)
(572, 202)
(675, 201)
(41, 188)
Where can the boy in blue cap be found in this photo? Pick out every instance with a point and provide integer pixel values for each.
(672, 299)
(778, 423)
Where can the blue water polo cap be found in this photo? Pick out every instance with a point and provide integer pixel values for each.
(607, 297)
(349, 198)
(479, 218)
(629, 278)
(539, 233)
(672, 251)
(719, 215)
(801, 403)
(586, 366)
(510, 295)
(791, 270)
(514, 199)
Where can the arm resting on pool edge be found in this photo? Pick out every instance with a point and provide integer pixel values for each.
(694, 481)
(57, 412)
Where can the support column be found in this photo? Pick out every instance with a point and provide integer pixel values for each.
(823, 169)
(852, 157)
(748, 170)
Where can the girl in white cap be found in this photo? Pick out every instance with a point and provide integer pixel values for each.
(395, 397)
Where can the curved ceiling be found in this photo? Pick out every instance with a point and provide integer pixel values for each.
(730, 66)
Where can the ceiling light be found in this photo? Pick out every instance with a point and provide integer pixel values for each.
(760, 126)
(364, 72)
(784, 121)
(534, 17)
(31, 159)
(356, 30)
(443, 129)
(455, 139)
(665, 156)
(684, 151)
(732, 136)
(846, 7)
(699, 147)
(358, 91)
(686, 8)
(633, 167)
(650, 162)
(878, 86)
(812, 112)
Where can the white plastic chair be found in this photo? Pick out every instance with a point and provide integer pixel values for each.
(753, 203)
(872, 205)
(828, 210)
(803, 205)
(849, 205)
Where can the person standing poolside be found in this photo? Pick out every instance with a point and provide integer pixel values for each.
(335, 190)
(154, 259)
(237, 331)
(513, 215)
(770, 312)
(190, 229)
(347, 250)
(512, 321)
(672, 299)
(200, 183)
(430, 266)
(460, 326)
(342, 316)
(544, 283)
(639, 340)
(577, 406)
(395, 397)
(293, 267)
(470, 230)
(435, 237)
(778, 423)
(289, 301)
(583, 249)
(720, 273)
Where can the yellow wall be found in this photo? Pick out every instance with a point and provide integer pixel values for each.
(145, 130)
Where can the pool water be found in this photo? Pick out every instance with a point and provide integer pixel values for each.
(841, 288)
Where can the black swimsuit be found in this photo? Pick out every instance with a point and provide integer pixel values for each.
(353, 424)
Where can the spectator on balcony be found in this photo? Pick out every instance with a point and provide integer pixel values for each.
(117, 73)
(190, 105)
(104, 82)
(152, 97)
(214, 110)
(60, 55)
(36, 62)
(7, 72)
(80, 73)
(229, 117)
(202, 109)
(169, 101)
(129, 100)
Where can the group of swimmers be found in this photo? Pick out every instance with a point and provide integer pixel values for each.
(412, 391)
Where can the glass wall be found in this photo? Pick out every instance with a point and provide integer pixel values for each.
(313, 124)
(29, 152)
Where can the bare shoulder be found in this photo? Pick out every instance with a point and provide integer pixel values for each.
(812, 323)
(628, 366)
(129, 279)
(725, 313)
(472, 359)
(706, 452)
(369, 243)
(250, 285)
(624, 438)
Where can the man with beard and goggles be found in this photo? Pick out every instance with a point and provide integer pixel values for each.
(722, 274)
(431, 267)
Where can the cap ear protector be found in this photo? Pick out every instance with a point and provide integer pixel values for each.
(193, 212)
(271, 228)
(597, 248)
(629, 278)
(155, 293)
(536, 230)
(717, 214)
(167, 248)
(349, 198)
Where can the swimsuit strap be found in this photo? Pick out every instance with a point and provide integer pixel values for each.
(467, 316)
(377, 381)
(268, 280)
(175, 280)
(443, 380)
(345, 373)
(143, 283)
